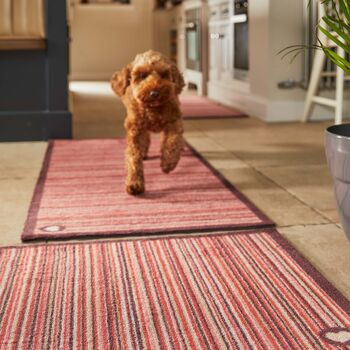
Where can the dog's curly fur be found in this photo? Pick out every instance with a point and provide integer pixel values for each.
(149, 88)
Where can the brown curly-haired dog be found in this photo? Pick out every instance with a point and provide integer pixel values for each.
(149, 88)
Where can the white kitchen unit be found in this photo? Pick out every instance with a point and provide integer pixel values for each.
(220, 43)
(196, 44)
(225, 82)
(244, 67)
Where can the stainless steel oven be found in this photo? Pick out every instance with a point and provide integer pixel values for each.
(193, 39)
(240, 35)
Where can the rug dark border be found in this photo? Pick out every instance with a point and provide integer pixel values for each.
(34, 206)
(301, 261)
(238, 114)
(232, 188)
(28, 235)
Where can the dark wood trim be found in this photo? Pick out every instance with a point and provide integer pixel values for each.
(35, 125)
(34, 84)
(20, 44)
(57, 67)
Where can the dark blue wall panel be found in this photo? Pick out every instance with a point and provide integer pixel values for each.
(22, 80)
(34, 86)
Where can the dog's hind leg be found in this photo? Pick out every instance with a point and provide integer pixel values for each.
(172, 143)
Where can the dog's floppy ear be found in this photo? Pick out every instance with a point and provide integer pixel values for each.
(121, 80)
(177, 78)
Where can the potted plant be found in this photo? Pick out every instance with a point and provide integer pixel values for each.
(337, 137)
(336, 27)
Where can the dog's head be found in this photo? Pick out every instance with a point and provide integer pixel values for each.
(152, 78)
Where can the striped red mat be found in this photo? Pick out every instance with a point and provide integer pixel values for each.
(199, 107)
(246, 290)
(81, 192)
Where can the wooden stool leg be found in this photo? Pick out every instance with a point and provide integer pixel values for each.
(339, 91)
(317, 69)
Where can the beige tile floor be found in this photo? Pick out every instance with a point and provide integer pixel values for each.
(279, 167)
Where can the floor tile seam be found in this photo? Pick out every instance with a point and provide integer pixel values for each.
(307, 225)
(274, 182)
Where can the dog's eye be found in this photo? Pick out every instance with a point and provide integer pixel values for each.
(164, 75)
(142, 75)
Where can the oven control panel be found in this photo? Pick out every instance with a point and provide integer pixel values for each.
(240, 7)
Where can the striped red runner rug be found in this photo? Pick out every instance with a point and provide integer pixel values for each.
(81, 192)
(223, 291)
(198, 107)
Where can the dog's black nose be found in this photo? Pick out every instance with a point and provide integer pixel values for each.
(154, 93)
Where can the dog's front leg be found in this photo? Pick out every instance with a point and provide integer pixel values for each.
(145, 143)
(172, 143)
(134, 165)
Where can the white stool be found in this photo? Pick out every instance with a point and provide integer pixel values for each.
(317, 73)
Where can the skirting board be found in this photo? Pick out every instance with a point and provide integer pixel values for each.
(192, 76)
(90, 76)
(237, 98)
(289, 111)
(280, 111)
(269, 111)
(35, 125)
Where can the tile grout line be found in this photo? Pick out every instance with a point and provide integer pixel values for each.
(307, 225)
(271, 181)
(296, 197)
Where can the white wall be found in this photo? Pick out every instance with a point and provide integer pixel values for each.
(105, 37)
(163, 22)
(274, 25)
(161, 26)
(286, 28)
(259, 52)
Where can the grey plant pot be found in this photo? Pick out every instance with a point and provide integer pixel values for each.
(337, 144)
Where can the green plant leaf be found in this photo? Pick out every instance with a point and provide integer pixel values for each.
(296, 49)
(344, 5)
(338, 60)
(336, 29)
(335, 40)
(340, 23)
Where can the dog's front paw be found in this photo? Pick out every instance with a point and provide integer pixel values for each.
(168, 166)
(135, 188)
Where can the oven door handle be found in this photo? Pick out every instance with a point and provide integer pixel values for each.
(217, 36)
(239, 18)
(191, 25)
